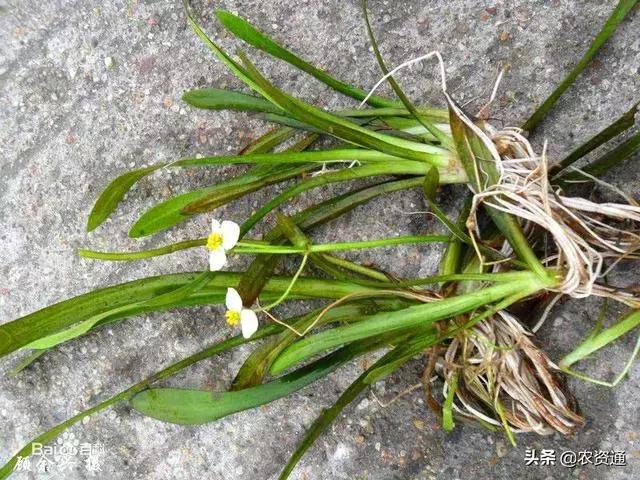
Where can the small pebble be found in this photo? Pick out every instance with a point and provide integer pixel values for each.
(501, 449)
(108, 62)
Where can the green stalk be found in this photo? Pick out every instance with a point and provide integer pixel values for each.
(356, 268)
(142, 254)
(244, 247)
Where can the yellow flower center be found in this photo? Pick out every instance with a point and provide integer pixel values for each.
(214, 241)
(233, 317)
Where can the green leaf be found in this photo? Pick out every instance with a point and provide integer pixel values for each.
(25, 362)
(623, 123)
(236, 68)
(385, 366)
(606, 162)
(171, 212)
(114, 193)
(619, 12)
(423, 315)
(223, 99)
(602, 339)
(434, 114)
(81, 328)
(75, 331)
(269, 141)
(289, 122)
(349, 131)
(193, 407)
(63, 315)
(242, 29)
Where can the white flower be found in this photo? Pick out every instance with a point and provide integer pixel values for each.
(224, 237)
(236, 313)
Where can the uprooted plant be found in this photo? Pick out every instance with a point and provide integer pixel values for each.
(526, 235)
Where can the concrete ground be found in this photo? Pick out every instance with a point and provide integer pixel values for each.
(89, 89)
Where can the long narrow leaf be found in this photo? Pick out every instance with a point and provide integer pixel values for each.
(193, 407)
(383, 367)
(269, 141)
(619, 12)
(603, 338)
(606, 162)
(55, 318)
(247, 32)
(171, 212)
(223, 99)
(411, 317)
(114, 193)
(350, 131)
(623, 123)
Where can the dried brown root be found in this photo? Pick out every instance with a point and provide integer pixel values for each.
(584, 234)
(500, 369)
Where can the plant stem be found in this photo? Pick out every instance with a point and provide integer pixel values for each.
(250, 247)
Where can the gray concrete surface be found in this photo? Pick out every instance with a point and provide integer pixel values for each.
(89, 89)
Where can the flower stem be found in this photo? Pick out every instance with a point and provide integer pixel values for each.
(256, 247)
(285, 294)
